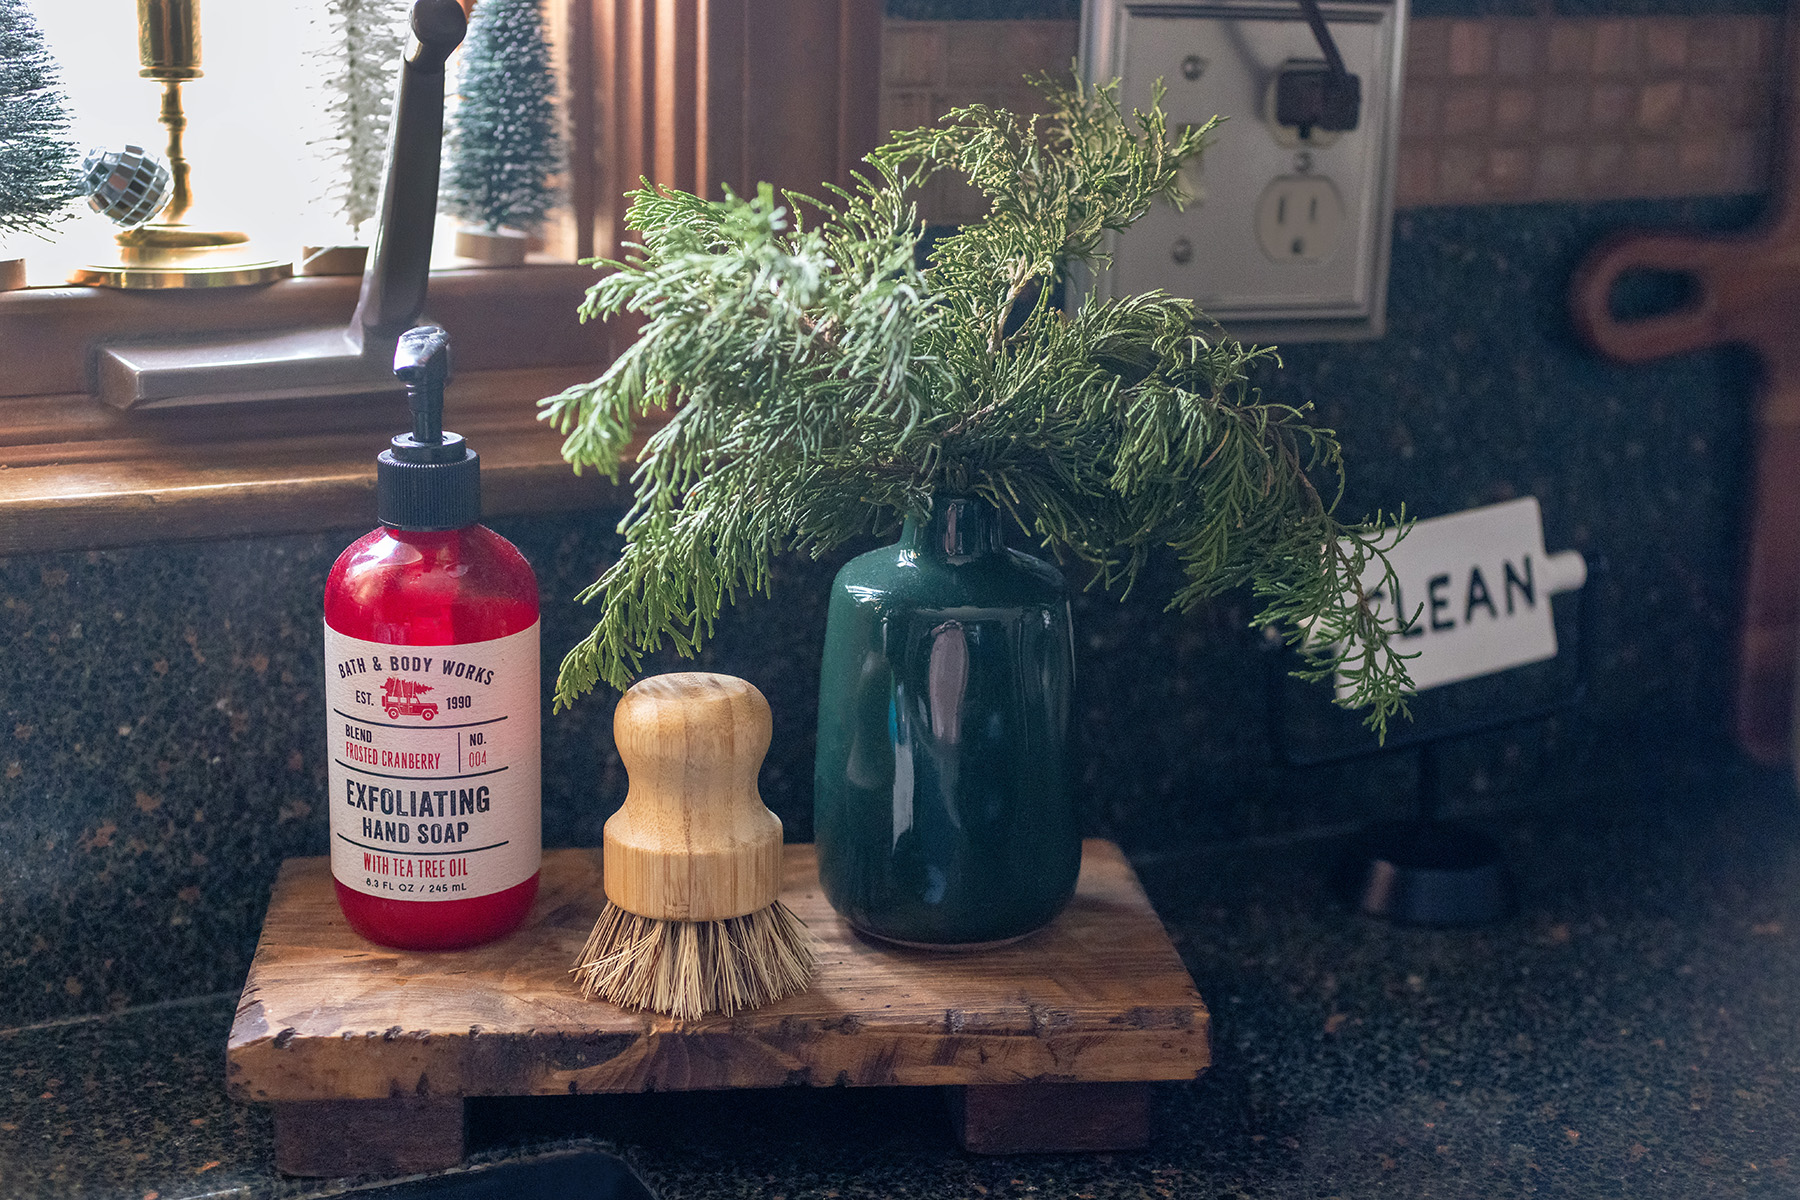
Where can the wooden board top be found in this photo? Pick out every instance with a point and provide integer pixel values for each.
(1098, 996)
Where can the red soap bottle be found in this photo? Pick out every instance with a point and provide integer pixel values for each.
(432, 696)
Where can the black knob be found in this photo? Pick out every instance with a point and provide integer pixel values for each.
(439, 25)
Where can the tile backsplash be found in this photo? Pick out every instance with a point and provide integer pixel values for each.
(1495, 109)
(1591, 108)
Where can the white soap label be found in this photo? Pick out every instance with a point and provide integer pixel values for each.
(434, 752)
(1476, 587)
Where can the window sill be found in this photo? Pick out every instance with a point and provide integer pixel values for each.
(500, 317)
(77, 474)
(198, 476)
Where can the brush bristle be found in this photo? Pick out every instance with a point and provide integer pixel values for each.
(687, 969)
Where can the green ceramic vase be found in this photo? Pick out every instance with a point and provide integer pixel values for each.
(942, 805)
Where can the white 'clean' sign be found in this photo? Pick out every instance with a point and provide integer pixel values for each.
(1476, 586)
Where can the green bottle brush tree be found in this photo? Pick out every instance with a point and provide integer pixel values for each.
(825, 384)
(504, 147)
(38, 161)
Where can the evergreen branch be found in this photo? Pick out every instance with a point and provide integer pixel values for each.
(824, 385)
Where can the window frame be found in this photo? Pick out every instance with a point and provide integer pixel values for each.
(690, 93)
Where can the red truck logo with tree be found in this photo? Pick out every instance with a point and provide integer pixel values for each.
(400, 698)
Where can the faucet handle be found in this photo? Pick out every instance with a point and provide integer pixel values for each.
(399, 267)
(439, 26)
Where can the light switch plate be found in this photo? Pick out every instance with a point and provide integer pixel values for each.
(1286, 239)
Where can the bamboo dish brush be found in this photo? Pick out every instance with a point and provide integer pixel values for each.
(694, 922)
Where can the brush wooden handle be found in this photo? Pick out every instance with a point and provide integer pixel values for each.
(693, 841)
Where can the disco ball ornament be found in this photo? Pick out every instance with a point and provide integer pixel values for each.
(127, 186)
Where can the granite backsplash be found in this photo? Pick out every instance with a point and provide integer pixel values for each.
(160, 735)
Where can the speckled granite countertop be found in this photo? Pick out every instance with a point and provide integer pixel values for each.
(1634, 1031)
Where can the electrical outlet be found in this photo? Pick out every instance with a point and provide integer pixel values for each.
(1286, 233)
(1300, 219)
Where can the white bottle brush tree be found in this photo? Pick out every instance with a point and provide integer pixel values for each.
(504, 148)
(38, 161)
(359, 66)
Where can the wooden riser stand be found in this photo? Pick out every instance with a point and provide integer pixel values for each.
(367, 1053)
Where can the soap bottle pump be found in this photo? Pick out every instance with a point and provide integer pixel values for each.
(432, 695)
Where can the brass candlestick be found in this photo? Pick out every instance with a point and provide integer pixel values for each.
(170, 252)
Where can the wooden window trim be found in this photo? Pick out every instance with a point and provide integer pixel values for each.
(699, 94)
(78, 474)
(691, 93)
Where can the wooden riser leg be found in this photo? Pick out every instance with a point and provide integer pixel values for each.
(1046, 1118)
(368, 1137)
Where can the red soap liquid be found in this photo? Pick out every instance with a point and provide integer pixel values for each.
(410, 588)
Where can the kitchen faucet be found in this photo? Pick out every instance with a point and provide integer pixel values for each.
(338, 361)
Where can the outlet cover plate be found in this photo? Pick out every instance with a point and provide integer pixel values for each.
(1223, 58)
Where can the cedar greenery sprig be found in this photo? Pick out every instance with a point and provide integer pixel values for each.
(828, 384)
